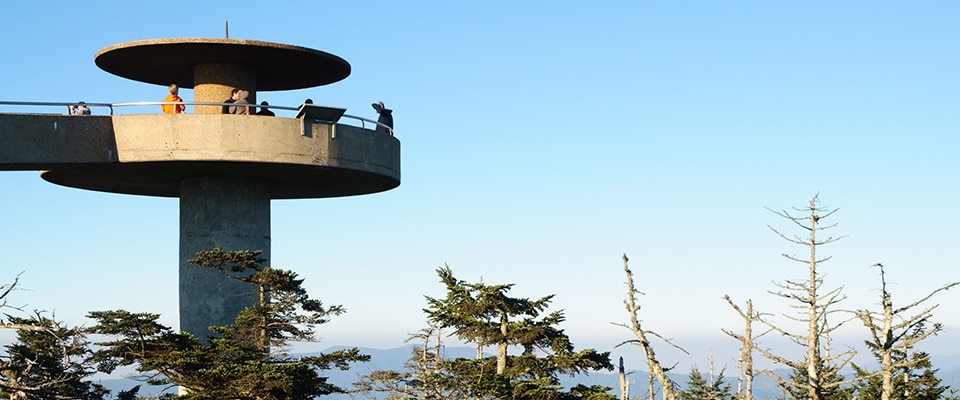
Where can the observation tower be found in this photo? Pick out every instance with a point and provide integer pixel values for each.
(224, 168)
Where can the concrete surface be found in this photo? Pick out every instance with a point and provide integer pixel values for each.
(278, 66)
(44, 141)
(230, 213)
(224, 168)
(151, 154)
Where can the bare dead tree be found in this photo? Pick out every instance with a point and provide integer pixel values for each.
(654, 366)
(747, 340)
(712, 375)
(813, 304)
(5, 290)
(891, 331)
(651, 390)
(624, 384)
(419, 377)
(55, 356)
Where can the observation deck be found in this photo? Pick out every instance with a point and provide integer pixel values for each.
(224, 168)
(150, 154)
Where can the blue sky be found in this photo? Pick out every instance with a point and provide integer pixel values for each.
(540, 141)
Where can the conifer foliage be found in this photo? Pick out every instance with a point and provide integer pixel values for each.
(699, 388)
(247, 360)
(894, 331)
(485, 315)
(48, 361)
(919, 381)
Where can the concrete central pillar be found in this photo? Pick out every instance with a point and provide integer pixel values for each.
(214, 82)
(230, 213)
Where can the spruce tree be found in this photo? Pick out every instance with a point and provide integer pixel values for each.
(485, 315)
(48, 361)
(698, 388)
(830, 381)
(893, 333)
(913, 379)
(245, 360)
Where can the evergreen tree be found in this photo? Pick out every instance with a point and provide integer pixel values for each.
(48, 361)
(830, 380)
(913, 379)
(893, 333)
(485, 316)
(283, 312)
(248, 359)
(699, 388)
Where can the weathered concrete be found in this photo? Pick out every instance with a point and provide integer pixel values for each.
(214, 82)
(150, 154)
(230, 213)
(37, 142)
(278, 66)
(224, 168)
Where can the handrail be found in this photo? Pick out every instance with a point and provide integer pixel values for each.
(41, 103)
(362, 120)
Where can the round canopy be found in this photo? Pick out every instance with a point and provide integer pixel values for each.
(166, 61)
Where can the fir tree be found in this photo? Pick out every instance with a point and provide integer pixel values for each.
(893, 333)
(699, 388)
(830, 381)
(48, 361)
(486, 316)
(248, 359)
(913, 379)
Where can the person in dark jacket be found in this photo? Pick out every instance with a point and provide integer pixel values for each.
(79, 109)
(386, 118)
(265, 109)
(233, 98)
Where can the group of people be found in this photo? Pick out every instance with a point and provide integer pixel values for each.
(239, 104)
(78, 109)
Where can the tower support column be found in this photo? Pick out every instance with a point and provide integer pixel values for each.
(213, 82)
(230, 213)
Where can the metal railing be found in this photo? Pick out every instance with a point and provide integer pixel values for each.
(363, 121)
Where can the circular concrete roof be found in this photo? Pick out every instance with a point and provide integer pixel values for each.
(287, 181)
(166, 61)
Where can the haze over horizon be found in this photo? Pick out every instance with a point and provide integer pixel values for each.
(540, 142)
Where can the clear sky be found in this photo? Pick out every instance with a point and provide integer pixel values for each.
(540, 141)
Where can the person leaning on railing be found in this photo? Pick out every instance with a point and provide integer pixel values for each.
(173, 97)
(386, 118)
(240, 104)
(265, 109)
(79, 109)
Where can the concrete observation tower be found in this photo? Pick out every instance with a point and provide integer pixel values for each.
(224, 168)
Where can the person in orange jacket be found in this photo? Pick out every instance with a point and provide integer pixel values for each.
(173, 97)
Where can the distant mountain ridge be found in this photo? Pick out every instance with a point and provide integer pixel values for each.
(393, 359)
(763, 386)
